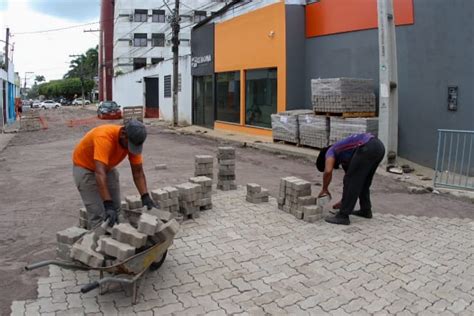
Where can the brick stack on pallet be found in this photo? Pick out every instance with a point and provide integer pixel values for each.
(285, 126)
(226, 173)
(203, 166)
(344, 127)
(342, 95)
(189, 199)
(256, 194)
(314, 130)
(295, 198)
(205, 203)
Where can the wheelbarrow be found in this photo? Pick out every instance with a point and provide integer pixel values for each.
(127, 272)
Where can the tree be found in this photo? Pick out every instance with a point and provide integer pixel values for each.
(40, 78)
(86, 63)
(64, 87)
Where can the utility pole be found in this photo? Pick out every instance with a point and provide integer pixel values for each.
(388, 74)
(175, 40)
(101, 44)
(26, 73)
(4, 87)
(82, 76)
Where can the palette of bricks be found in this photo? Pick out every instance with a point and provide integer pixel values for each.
(226, 172)
(285, 125)
(295, 198)
(256, 194)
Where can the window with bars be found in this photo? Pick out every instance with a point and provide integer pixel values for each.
(158, 39)
(167, 86)
(158, 16)
(140, 15)
(139, 40)
(179, 82)
(139, 63)
(155, 61)
(199, 16)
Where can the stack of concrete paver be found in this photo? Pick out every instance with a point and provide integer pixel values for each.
(343, 95)
(205, 202)
(189, 199)
(256, 194)
(167, 199)
(83, 219)
(30, 122)
(285, 126)
(203, 166)
(314, 130)
(65, 239)
(295, 198)
(344, 127)
(226, 173)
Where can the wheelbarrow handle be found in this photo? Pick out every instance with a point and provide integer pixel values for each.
(58, 263)
(89, 287)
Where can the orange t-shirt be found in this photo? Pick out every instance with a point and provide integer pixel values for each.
(102, 144)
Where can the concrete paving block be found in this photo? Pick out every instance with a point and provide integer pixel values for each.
(116, 249)
(134, 202)
(206, 159)
(70, 235)
(310, 210)
(124, 205)
(264, 193)
(125, 233)
(204, 202)
(226, 172)
(83, 252)
(160, 167)
(322, 201)
(162, 215)
(63, 251)
(298, 214)
(307, 200)
(167, 231)
(256, 200)
(172, 192)
(312, 218)
(148, 224)
(253, 188)
(159, 195)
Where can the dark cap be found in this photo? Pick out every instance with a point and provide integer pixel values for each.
(136, 134)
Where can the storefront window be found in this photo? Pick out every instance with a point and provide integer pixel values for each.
(228, 96)
(261, 97)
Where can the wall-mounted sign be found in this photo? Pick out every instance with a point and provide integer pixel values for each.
(196, 61)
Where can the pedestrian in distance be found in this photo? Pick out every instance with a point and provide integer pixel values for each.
(94, 160)
(359, 155)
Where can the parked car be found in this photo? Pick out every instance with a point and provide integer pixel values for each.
(78, 101)
(50, 104)
(36, 104)
(109, 110)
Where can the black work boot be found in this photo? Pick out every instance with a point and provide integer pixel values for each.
(363, 213)
(338, 219)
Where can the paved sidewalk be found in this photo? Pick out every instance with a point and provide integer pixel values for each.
(255, 259)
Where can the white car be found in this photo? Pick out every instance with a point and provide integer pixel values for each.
(78, 101)
(36, 104)
(49, 104)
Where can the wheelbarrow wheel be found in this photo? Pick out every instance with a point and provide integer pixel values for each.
(157, 264)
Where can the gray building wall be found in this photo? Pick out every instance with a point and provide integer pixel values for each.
(434, 52)
(295, 52)
(202, 44)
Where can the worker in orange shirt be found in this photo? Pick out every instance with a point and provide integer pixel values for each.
(95, 176)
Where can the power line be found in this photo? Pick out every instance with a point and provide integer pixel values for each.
(57, 29)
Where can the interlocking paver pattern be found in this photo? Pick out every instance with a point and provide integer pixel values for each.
(255, 259)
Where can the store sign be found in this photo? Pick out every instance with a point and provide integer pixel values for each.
(196, 61)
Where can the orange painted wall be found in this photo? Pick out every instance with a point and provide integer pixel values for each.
(243, 43)
(339, 16)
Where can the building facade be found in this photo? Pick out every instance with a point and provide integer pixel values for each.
(9, 90)
(265, 53)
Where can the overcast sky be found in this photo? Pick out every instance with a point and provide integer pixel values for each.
(48, 53)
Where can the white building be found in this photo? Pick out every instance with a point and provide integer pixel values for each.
(143, 59)
(142, 32)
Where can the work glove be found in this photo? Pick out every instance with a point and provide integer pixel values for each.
(111, 214)
(148, 202)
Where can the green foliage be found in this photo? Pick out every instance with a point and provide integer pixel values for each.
(65, 87)
(40, 78)
(85, 64)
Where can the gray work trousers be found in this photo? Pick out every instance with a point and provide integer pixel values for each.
(87, 185)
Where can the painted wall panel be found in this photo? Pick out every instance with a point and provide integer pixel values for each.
(337, 16)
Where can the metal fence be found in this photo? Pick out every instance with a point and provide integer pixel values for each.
(455, 159)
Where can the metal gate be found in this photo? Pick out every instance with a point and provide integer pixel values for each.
(455, 159)
(152, 108)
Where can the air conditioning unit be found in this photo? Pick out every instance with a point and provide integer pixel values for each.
(130, 17)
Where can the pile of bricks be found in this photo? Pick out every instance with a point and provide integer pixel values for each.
(83, 219)
(65, 240)
(226, 174)
(295, 198)
(344, 127)
(84, 251)
(203, 166)
(30, 122)
(189, 199)
(314, 130)
(343, 95)
(205, 202)
(167, 199)
(256, 194)
(285, 125)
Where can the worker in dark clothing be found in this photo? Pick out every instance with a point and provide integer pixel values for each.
(359, 155)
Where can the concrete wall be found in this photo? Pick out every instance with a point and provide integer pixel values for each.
(295, 54)
(433, 53)
(129, 88)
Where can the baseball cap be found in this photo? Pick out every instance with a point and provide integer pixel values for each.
(136, 133)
